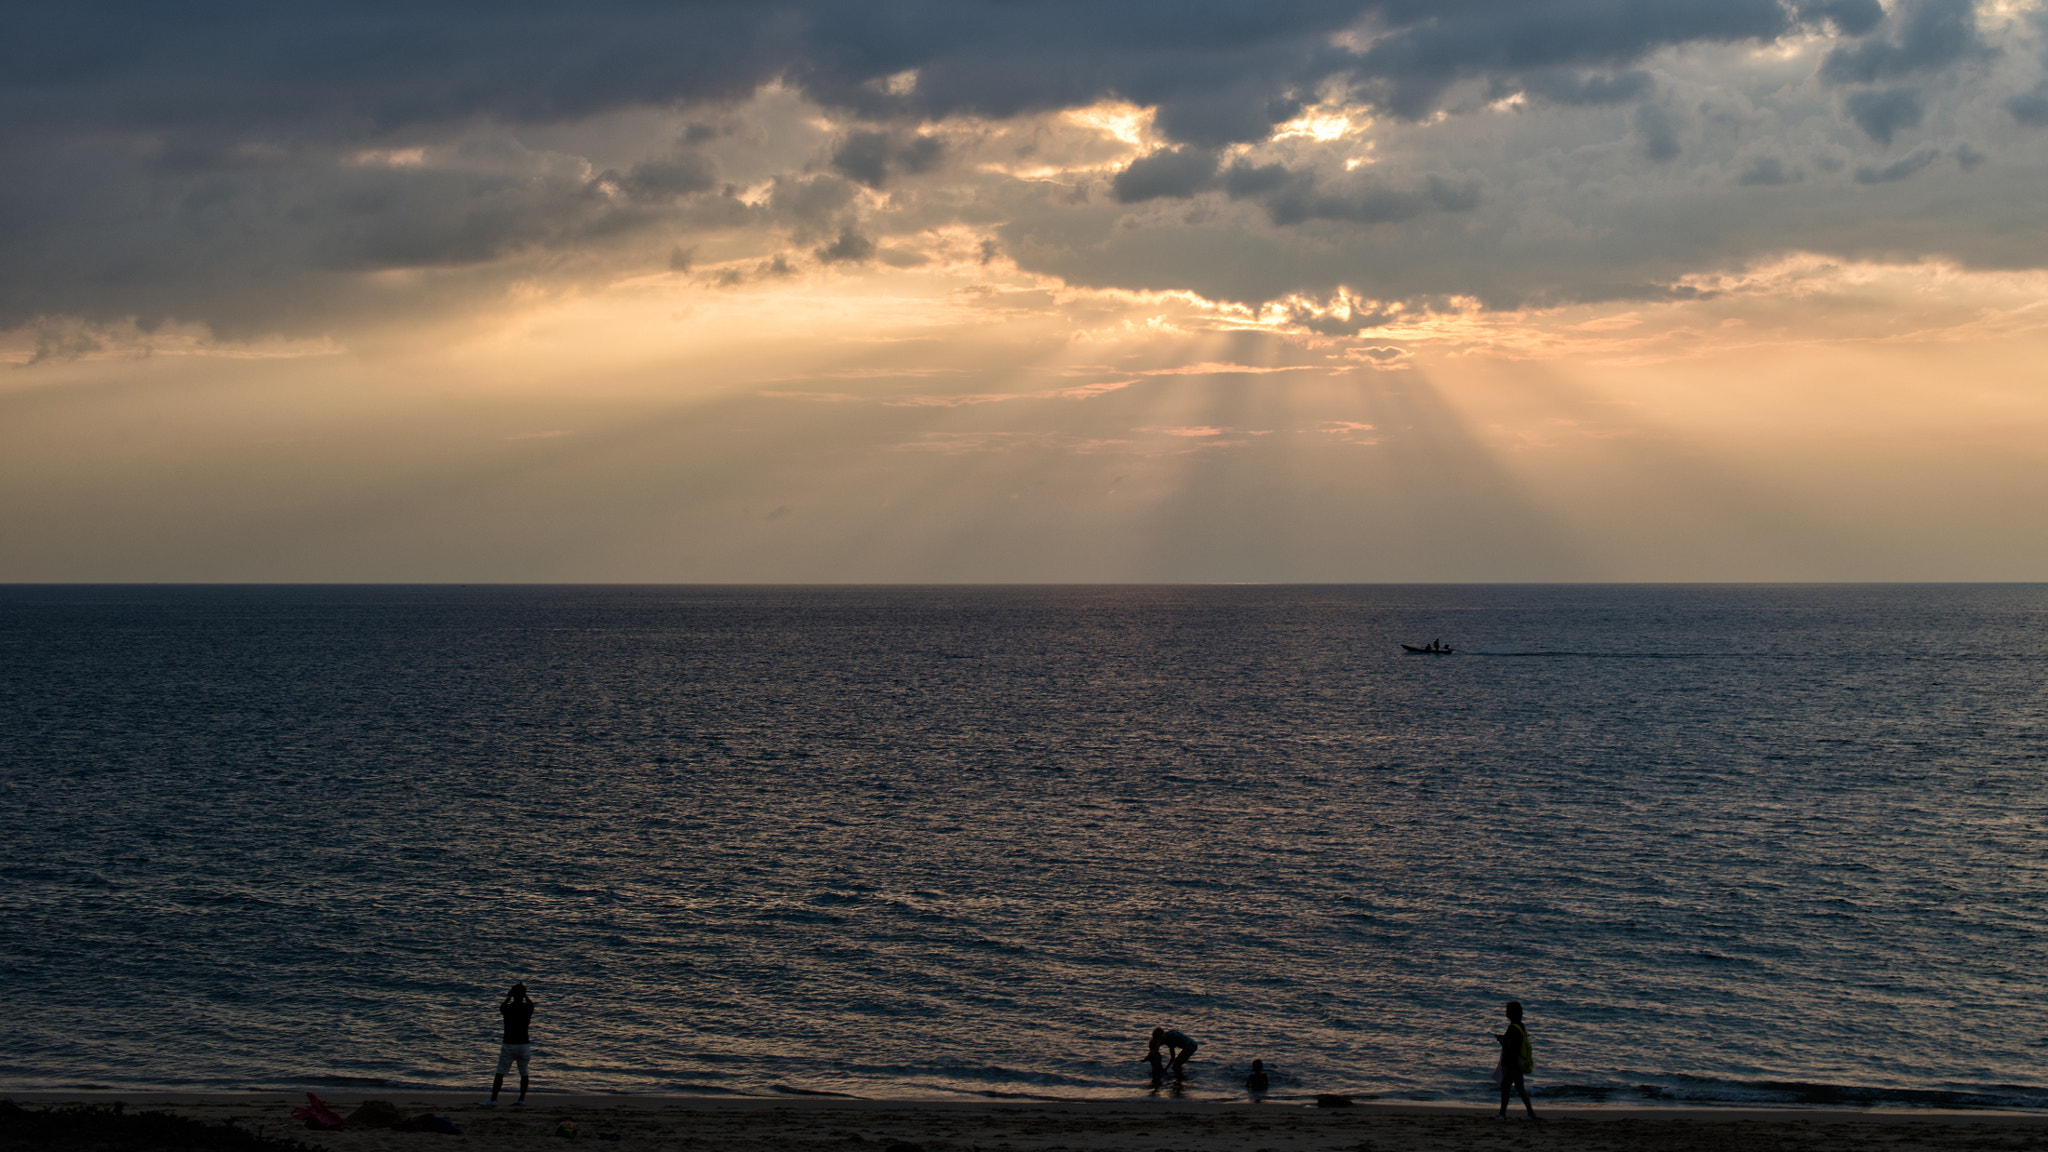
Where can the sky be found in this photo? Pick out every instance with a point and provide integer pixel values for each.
(1295, 291)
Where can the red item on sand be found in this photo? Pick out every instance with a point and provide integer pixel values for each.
(317, 1114)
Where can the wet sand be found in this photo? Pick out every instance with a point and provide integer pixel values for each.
(660, 1124)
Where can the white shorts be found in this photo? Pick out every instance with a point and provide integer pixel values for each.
(511, 1054)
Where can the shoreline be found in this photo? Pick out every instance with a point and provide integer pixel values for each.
(550, 1102)
(813, 1124)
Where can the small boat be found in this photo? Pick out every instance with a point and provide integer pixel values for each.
(1433, 649)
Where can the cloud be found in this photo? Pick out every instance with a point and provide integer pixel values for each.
(1371, 203)
(1289, 197)
(1899, 170)
(1657, 126)
(61, 338)
(871, 157)
(850, 247)
(1768, 171)
(1408, 68)
(2031, 107)
(684, 174)
(1882, 114)
(1341, 318)
(1931, 35)
(300, 171)
(1578, 89)
(1244, 181)
(1216, 73)
(278, 236)
(813, 206)
(1850, 17)
(1168, 172)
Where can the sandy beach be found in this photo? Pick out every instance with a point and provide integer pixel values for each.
(734, 1125)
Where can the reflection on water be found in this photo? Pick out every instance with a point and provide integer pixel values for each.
(930, 841)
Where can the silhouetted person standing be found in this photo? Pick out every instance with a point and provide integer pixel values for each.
(1257, 1083)
(1516, 1058)
(517, 1009)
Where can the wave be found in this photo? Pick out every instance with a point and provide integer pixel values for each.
(981, 1073)
(1509, 650)
(788, 1090)
(1704, 1090)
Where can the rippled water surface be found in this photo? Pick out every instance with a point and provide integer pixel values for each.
(1725, 843)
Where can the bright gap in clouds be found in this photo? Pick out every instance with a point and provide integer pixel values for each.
(948, 425)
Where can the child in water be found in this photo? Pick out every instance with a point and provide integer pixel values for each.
(1256, 1083)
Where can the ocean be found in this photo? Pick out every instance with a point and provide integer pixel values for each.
(1726, 843)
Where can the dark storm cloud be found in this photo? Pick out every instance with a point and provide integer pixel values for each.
(1244, 181)
(203, 160)
(1434, 45)
(1929, 35)
(332, 71)
(2031, 107)
(1218, 71)
(1289, 197)
(864, 157)
(685, 174)
(194, 160)
(870, 157)
(105, 231)
(1882, 114)
(850, 247)
(1169, 172)
(1372, 203)
(816, 206)
(1849, 17)
(1576, 90)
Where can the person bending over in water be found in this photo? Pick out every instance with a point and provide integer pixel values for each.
(517, 1009)
(1256, 1084)
(1178, 1048)
(1516, 1058)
